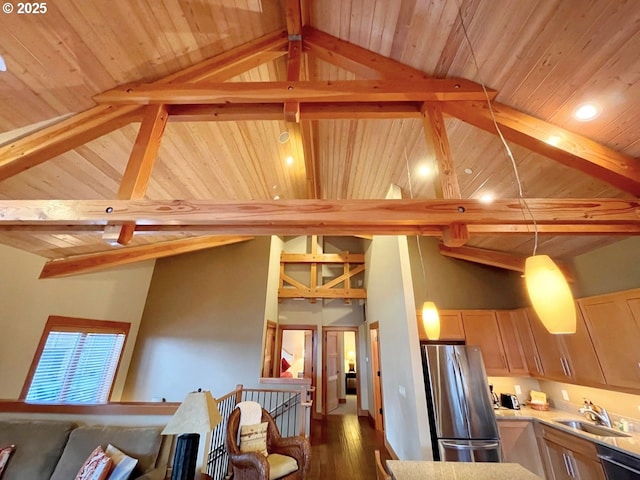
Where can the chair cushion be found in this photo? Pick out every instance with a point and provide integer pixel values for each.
(281, 465)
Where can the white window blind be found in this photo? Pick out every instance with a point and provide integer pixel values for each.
(76, 367)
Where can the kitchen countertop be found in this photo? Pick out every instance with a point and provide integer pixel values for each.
(411, 470)
(630, 445)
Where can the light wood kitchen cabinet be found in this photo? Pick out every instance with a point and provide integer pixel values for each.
(567, 456)
(534, 365)
(451, 328)
(614, 324)
(481, 329)
(518, 443)
(570, 358)
(516, 361)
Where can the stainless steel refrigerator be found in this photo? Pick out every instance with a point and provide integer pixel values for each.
(461, 417)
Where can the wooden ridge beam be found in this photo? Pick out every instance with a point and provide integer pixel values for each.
(494, 258)
(83, 127)
(122, 256)
(568, 148)
(362, 62)
(291, 109)
(310, 147)
(355, 216)
(308, 111)
(448, 89)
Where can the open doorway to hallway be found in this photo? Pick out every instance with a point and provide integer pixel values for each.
(341, 379)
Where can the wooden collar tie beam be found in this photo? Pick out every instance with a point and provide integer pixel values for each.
(346, 217)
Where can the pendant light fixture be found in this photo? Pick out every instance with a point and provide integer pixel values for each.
(548, 290)
(550, 295)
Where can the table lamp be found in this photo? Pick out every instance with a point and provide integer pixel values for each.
(197, 414)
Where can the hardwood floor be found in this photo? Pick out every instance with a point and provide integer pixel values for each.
(342, 448)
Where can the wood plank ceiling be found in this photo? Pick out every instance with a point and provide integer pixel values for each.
(543, 57)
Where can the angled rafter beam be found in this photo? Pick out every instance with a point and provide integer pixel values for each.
(135, 180)
(446, 183)
(308, 111)
(362, 62)
(571, 149)
(112, 258)
(83, 127)
(269, 92)
(40, 146)
(349, 216)
(496, 259)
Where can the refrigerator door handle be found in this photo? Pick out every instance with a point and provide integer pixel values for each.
(491, 445)
(463, 404)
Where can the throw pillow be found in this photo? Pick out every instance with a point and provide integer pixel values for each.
(5, 453)
(253, 438)
(96, 467)
(123, 465)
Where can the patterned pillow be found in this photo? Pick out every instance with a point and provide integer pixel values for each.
(5, 453)
(96, 467)
(253, 438)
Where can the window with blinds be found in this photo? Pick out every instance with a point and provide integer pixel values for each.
(76, 361)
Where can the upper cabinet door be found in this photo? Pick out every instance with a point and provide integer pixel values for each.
(549, 350)
(581, 358)
(614, 324)
(511, 342)
(534, 365)
(481, 329)
(451, 328)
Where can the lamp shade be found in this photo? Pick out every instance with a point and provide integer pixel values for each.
(550, 295)
(198, 413)
(431, 320)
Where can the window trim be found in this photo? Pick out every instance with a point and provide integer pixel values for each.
(58, 323)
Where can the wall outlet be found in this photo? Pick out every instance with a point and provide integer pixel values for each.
(565, 395)
(518, 390)
(402, 391)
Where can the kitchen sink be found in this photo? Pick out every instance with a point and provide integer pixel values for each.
(592, 428)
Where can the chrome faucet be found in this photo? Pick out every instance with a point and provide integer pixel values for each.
(596, 413)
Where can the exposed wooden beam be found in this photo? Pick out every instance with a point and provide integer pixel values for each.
(568, 148)
(293, 17)
(40, 146)
(83, 127)
(322, 257)
(455, 235)
(294, 65)
(320, 216)
(322, 293)
(496, 259)
(310, 148)
(99, 261)
(488, 229)
(362, 62)
(137, 174)
(448, 89)
(308, 111)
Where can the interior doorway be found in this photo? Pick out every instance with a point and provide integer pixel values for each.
(376, 374)
(340, 380)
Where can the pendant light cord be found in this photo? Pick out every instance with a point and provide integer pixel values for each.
(497, 127)
(406, 162)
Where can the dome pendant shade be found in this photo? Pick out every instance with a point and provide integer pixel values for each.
(431, 320)
(550, 295)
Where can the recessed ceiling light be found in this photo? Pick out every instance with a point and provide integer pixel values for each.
(284, 137)
(486, 198)
(289, 160)
(468, 171)
(424, 171)
(3, 65)
(586, 112)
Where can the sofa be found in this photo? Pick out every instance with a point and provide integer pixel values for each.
(55, 450)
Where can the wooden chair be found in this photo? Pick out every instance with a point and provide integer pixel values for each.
(255, 466)
(381, 473)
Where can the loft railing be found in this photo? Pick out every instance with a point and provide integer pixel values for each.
(291, 410)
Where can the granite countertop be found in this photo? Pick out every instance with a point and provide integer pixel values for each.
(630, 445)
(411, 470)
